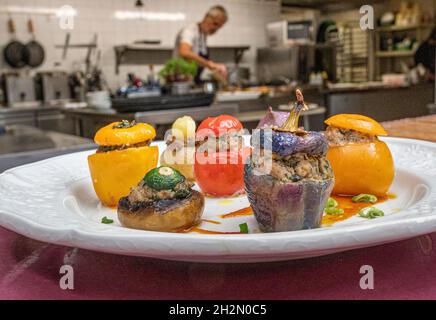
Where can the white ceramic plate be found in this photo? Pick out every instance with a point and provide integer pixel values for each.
(53, 201)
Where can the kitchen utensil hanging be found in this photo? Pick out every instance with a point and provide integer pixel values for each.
(34, 53)
(14, 51)
(89, 46)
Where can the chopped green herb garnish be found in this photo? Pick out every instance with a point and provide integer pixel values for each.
(371, 213)
(106, 220)
(331, 203)
(334, 211)
(363, 197)
(243, 227)
(123, 124)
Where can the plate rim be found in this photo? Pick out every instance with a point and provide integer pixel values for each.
(72, 236)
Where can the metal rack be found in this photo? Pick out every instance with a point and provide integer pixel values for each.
(352, 54)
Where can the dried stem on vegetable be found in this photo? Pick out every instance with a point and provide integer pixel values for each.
(291, 123)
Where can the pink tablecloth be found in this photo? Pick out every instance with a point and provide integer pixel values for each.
(30, 270)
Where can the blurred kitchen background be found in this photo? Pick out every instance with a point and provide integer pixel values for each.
(69, 67)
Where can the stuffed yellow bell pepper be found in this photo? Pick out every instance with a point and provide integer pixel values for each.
(123, 158)
(362, 164)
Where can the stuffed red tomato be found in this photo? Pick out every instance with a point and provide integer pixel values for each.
(220, 156)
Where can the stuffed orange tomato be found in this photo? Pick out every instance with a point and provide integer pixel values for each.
(123, 158)
(220, 156)
(361, 162)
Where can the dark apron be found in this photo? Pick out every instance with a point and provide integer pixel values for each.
(203, 55)
(425, 55)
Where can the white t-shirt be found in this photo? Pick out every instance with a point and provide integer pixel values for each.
(191, 35)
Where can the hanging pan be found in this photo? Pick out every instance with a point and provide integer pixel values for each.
(13, 52)
(34, 53)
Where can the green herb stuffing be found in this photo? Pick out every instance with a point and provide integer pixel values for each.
(182, 193)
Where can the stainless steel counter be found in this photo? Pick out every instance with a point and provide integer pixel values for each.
(382, 104)
(4, 110)
(23, 144)
(88, 120)
(43, 117)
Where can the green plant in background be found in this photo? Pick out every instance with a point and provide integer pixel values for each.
(178, 69)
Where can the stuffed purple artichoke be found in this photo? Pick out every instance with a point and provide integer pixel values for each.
(291, 193)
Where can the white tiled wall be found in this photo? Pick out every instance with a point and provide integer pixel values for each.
(246, 26)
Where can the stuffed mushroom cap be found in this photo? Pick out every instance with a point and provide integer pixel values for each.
(163, 201)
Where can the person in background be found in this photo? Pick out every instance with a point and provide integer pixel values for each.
(425, 55)
(191, 41)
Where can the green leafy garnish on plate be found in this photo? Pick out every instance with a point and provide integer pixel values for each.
(243, 227)
(371, 213)
(333, 210)
(331, 207)
(331, 203)
(106, 220)
(364, 197)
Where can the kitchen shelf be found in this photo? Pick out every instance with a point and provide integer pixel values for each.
(149, 54)
(390, 54)
(403, 28)
(390, 61)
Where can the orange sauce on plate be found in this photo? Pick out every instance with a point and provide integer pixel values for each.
(241, 212)
(238, 213)
(204, 231)
(350, 208)
(210, 221)
(344, 202)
